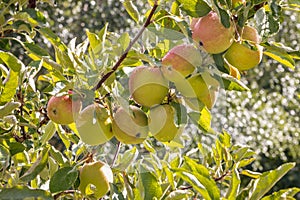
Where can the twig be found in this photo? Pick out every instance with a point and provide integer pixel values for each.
(116, 154)
(124, 55)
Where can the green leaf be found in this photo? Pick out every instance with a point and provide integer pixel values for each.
(180, 195)
(194, 182)
(202, 119)
(132, 10)
(279, 55)
(194, 8)
(63, 179)
(282, 194)
(203, 176)
(225, 18)
(49, 131)
(37, 167)
(22, 192)
(151, 187)
(8, 108)
(250, 174)
(127, 159)
(124, 41)
(11, 84)
(234, 184)
(11, 61)
(15, 147)
(268, 179)
(94, 41)
(231, 83)
(35, 49)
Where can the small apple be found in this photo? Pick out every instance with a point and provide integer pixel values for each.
(212, 35)
(130, 126)
(249, 33)
(95, 178)
(147, 86)
(247, 53)
(180, 62)
(94, 125)
(63, 109)
(161, 123)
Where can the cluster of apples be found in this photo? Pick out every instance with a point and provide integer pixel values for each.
(149, 87)
(240, 45)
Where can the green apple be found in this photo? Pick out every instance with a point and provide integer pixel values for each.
(95, 178)
(94, 125)
(210, 33)
(130, 126)
(180, 62)
(147, 86)
(162, 123)
(63, 109)
(246, 53)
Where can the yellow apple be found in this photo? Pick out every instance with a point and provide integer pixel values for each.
(94, 125)
(95, 178)
(247, 53)
(147, 86)
(130, 126)
(161, 123)
(210, 33)
(180, 62)
(63, 109)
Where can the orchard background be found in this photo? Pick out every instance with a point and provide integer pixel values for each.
(246, 147)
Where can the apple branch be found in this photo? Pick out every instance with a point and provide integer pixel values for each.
(132, 42)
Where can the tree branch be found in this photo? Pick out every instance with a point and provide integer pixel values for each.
(124, 55)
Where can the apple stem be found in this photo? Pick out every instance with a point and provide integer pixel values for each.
(132, 42)
(116, 154)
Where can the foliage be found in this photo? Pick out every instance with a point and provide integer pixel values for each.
(97, 69)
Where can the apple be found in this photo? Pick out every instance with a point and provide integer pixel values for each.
(147, 86)
(180, 62)
(130, 126)
(63, 109)
(200, 86)
(95, 178)
(210, 33)
(249, 33)
(246, 53)
(94, 125)
(161, 122)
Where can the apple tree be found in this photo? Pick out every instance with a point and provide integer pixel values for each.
(134, 112)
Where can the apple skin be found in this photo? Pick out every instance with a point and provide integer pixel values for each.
(93, 125)
(212, 35)
(247, 53)
(130, 126)
(63, 109)
(99, 174)
(180, 62)
(161, 122)
(143, 81)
